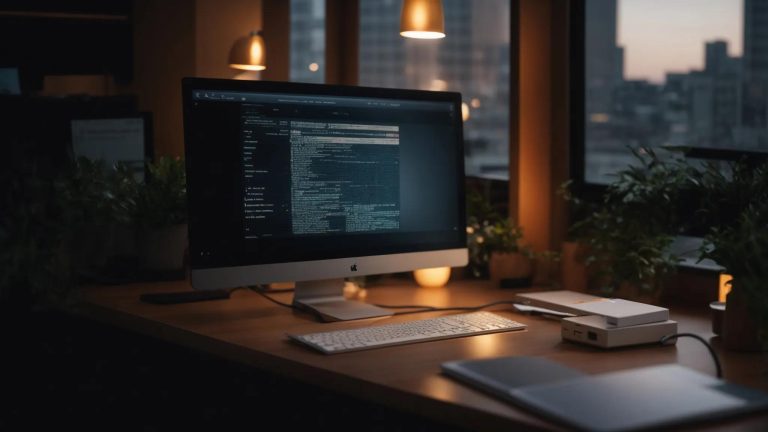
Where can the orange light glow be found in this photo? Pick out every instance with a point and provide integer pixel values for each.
(432, 277)
(422, 19)
(725, 286)
(248, 53)
(247, 67)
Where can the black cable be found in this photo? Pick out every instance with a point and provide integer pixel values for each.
(421, 308)
(267, 289)
(262, 291)
(231, 290)
(666, 338)
(277, 302)
(318, 316)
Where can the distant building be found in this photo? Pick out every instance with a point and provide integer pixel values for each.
(473, 58)
(715, 57)
(308, 41)
(619, 75)
(601, 63)
(755, 88)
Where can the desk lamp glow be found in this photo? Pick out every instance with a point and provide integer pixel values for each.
(432, 277)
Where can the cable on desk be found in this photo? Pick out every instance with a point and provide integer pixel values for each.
(666, 338)
(267, 289)
(231, 290)
(263, 293)
(422, 308)
(277, 302)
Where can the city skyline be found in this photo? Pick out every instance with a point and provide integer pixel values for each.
(661, 36)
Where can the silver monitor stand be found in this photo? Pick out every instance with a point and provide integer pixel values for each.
(326, 297)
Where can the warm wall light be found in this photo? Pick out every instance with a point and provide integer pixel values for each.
(422, 19)
(725, 286)
(432, 277)
(249, 53)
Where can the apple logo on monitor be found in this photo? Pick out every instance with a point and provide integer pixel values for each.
(353, 267)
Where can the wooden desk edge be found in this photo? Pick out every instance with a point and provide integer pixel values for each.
(413, 403)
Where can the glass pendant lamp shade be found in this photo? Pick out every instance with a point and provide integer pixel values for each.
(422, 19)
(248, 53)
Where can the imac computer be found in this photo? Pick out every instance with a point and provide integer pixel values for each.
(315, 183)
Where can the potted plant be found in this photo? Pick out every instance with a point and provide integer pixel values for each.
(96, 205)
(737, 210)
(625, 239)
(494, 245)
(161, 215)
(63, 228)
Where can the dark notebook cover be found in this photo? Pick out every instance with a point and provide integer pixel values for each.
(651, 397)
(500, 375)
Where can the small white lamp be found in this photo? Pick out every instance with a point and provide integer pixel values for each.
(432, 277)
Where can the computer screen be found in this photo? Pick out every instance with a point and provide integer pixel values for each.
(307, 182)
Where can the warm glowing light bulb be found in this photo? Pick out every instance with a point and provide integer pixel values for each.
(432, 277)
(422, 34)
(464, 111)
(314, 67)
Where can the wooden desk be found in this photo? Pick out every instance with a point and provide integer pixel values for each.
(249, 329)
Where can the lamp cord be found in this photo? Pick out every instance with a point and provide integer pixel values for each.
(719, 369)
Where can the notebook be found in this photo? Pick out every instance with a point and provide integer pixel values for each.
(651, 397)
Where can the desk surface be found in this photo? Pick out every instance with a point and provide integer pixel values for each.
(249, 329)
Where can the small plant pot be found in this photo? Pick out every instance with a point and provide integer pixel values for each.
(509, 270)
(740, 331)
(162, 249)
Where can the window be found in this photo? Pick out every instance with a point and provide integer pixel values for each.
(472, 59)
(660, 73)
(308, 41)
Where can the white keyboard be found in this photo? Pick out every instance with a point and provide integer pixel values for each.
(444, 327)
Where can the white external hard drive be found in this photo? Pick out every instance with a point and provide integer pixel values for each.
(593, 330)
(617, 312)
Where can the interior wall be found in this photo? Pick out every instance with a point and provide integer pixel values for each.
(174, 39)
(277, 39)
(535, 127)
(164, 44)
(218, 25)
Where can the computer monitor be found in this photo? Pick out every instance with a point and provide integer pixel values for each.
(314, 183)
